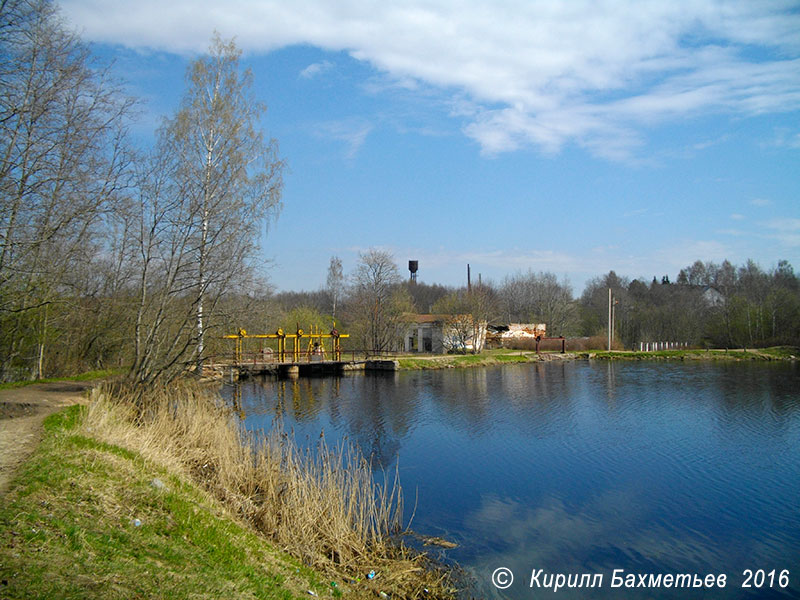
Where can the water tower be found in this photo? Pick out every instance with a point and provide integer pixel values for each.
(413, 265)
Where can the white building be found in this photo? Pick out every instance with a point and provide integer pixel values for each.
(713, 297)
(439, 334)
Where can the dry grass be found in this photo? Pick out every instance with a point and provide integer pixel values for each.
(321, 505)
(573, 344)
(596, 342)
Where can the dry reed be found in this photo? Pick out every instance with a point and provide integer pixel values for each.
(320, 505)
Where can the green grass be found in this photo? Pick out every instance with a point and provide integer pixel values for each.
(468, 360)
(416, 363)
(512, 358)
(450, 361)
(87, 376)
(782, 352)
(504, 356)
(765, 354)
(69, 528)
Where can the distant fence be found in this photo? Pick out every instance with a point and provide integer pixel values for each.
(656, 346)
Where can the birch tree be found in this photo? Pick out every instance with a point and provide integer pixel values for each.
(335, 283)
(228, 177)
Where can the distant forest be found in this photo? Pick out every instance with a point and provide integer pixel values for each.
(114, 256)
(707, 305)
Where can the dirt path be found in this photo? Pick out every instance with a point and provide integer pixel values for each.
(22, 411)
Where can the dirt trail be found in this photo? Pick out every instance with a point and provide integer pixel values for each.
(22, 411)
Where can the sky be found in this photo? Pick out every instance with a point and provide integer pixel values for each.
(575, 137)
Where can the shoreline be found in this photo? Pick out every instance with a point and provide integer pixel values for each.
(504, 357)
(67, 434)
(147, 493)
(499, 357)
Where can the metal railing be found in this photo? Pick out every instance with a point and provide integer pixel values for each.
(269, 356)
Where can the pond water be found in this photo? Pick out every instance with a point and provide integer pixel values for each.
(579, 467)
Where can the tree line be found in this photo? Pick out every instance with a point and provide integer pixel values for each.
(112, 255)
(118, 256)
(709, 305)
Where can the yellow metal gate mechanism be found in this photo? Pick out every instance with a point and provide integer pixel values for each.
(315, 347)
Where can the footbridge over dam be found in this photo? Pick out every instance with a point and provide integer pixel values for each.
(298, 353)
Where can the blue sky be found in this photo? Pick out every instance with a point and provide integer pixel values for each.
(574, 137)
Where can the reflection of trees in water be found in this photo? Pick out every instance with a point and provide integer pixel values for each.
(377, 411)
(302, 399)
(464, 395)
(544, 400)
(761, 394)
(537, 398)
(363, 409)
(760, 387)
(377, 418)
(577, 466)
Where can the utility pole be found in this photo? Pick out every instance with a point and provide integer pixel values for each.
(609, 319)
(614, 303)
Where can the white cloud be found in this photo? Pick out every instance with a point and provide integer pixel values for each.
(315, 69)
(737, 217)
(353, 132)
(536, 72)
(568, 537)
(786, 231)
(784, 138)
(760, 202)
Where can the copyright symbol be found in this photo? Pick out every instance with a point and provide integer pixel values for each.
(502, 578)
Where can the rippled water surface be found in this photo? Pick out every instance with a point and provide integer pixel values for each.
(578, 467)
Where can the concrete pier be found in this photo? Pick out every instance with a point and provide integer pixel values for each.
(381, 365)
(298, 369)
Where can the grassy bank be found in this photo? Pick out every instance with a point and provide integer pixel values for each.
(87, 519)
(485, 358)
(87, 376)
(505, 356)
(787, 353)
(173, 501)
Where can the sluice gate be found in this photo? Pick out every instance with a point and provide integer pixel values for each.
(297, 353)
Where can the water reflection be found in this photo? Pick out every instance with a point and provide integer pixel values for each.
(613, 529)
(577, 467)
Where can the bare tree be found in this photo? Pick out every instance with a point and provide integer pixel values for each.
(62, 159)
(468, 312)
(540, 298)
(426, 295)
(228, 177)
(594, 305)
(378, 301)
(212, 182)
